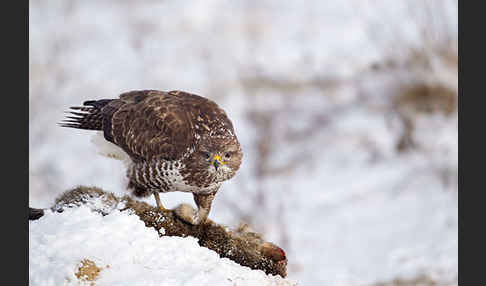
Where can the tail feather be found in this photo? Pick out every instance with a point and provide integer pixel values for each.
(89, 116)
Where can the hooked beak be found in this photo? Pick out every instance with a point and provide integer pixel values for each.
(217, 162)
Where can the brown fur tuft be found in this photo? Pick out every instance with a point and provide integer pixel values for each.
(241, 245)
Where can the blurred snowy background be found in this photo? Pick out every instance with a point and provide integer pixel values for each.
(346, 110)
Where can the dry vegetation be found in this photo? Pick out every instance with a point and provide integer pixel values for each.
(88, 271)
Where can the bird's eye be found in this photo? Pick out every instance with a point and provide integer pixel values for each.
(206, 155)
(227, 155)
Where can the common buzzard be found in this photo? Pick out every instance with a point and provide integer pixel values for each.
(175, 141)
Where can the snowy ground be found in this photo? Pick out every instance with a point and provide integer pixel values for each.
(331, 188)
(127, 252)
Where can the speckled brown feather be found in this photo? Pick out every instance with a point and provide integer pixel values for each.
(162, 132)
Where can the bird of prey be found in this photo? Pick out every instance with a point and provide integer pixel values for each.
(172, 141)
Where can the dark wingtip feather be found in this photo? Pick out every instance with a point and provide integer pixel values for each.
(89, 116)
(82, 108)
(75, 113)
(97, 104)
(71, 125)
(75, 118)
(89, 102)
(72, 121)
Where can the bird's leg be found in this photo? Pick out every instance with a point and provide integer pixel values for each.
(203, 202)
(159, 203)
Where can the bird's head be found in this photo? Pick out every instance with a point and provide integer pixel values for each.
(221, 157)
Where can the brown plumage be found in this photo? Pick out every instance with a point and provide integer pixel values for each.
(176, 141)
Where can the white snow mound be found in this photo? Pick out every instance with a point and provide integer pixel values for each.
(134, 254)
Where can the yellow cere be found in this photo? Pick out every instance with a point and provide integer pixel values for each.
(218, 158)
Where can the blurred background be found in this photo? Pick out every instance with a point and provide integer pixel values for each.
(346, 111)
